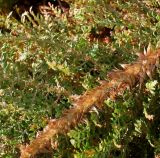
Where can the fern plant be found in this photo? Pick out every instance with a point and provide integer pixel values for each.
(42, 65)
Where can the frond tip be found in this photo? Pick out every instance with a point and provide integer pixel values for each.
(119, 81)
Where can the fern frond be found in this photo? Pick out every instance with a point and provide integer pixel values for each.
(119, 80)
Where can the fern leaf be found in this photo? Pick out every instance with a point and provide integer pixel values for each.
(119, 81)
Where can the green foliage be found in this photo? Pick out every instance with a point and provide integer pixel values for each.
(46, 59)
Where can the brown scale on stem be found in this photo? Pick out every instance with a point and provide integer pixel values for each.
(119, 81)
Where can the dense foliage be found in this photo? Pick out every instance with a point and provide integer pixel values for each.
(44, 60)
